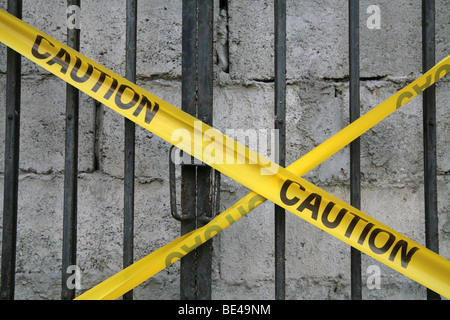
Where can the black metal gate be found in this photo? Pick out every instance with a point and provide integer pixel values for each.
(199, 182)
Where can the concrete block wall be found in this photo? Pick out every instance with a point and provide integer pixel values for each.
(318, 265)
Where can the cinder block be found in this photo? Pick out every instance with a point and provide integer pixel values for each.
(246, 243)
(42, 126)
(443, 126)
(39, 236)
(103, 33)
(243, 107)
(102, 36)
(391, 152)
(159, 39)
(313, 253)
(152, 153)
(101, 228)
(318, 288)
(49, 17)
(442, 30)
(2, 120)
(444, 215)
(314, 113)
(2, 58)
(316, 44)
(317, 39)
(395, 48)
(100, 232)
(250, 39)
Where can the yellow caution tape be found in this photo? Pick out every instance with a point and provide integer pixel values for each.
(265, 178)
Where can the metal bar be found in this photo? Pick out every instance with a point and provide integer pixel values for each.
(355, 161)
(205, 61)
(205, 114)
(280, 125)
(429, 134)
(130, 129)
(188, 172)
(70, 172)
(11, 183)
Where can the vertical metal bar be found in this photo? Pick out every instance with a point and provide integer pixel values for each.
(11, 183)
(70, 172)
(429, 134)
(355, 181)
(280, 125)
(130, 129)
(205, 114)
(188, 173)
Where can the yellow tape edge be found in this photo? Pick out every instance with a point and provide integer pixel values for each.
(178, 119)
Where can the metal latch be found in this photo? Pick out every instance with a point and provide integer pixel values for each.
(185, 159)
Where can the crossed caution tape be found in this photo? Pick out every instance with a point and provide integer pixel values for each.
(268, 181)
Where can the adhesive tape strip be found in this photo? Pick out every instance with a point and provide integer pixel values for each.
(264, 177)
